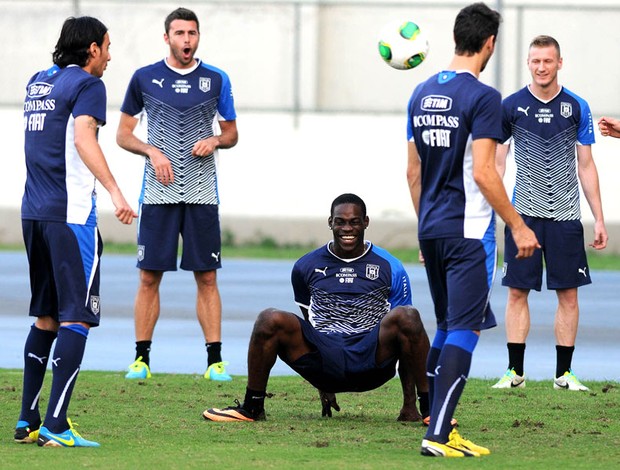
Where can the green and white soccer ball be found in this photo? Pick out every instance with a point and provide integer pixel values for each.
(403, 45)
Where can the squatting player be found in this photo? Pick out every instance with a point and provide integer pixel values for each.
(358, 324)
(453, 128)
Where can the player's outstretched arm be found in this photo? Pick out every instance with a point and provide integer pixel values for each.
(491, 186)
(91, 154)
(609, 126)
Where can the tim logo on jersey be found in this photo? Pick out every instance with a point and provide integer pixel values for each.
(39, 90)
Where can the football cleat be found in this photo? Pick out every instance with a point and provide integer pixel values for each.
(456, 446)
(68, 438)
(569, 381)
(510, 380)
(427, 422)
(456, 440)
(217, 372)
(24, 434)
(233, 413)
(138, 370)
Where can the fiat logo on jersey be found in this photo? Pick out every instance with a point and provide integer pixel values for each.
(566, 109)
(372, 271)
(204, 84)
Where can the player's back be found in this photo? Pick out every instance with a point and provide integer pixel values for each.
(59, 186)
(446, 113)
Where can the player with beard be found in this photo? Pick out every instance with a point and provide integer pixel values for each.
(181, 98)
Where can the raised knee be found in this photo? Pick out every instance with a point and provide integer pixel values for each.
(269, 321)
(408, 320)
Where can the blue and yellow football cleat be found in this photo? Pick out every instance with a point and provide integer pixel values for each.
(138, 370)
(217, 372)
(68, 438)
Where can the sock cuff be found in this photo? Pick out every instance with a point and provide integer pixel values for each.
(464, 339)
(76, 328)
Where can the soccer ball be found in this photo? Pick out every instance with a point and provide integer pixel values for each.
(403, 45)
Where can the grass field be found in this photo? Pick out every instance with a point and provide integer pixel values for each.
(157, 424)
(270, 250)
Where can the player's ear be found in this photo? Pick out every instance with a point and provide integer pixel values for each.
(329, 222)
(366, 222)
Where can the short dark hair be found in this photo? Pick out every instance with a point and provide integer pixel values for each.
(546, 41)
(348, 198)
(76, 36)
(181, 14)
(474, 24)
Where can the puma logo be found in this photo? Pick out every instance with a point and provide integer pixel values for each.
(322, 271)
(158, 82)
(34, 356)
(216, 256)
(55, 361)
(583, 271)
(523, 110)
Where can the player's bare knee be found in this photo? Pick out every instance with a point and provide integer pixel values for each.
(269, 322)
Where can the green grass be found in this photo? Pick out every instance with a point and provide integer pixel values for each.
(269, 250)
(158, 424)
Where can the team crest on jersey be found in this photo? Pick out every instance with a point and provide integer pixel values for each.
(372, 271)
(94, 304)
(140, 252)
(39, 90)
(204, 84)
(566, 109)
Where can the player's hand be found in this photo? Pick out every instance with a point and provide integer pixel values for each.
(609, 126)
(123, 211)
(204, 148)
(162, 166)
(328, 400)
(421, 258)
(600, 236)
(525, 240)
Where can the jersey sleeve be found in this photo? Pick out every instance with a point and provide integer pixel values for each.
(506, 123)
(487, 118)
(300, 286)
(400, 289)
(91, 101)
(133, 102)
(226, 103)
(585, 133)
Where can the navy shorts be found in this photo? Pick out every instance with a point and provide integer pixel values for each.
(159, 227)
(460, 275)
(64, 270)
(343, 363)
(563, 251)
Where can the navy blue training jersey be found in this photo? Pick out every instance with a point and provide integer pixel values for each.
(446, 113)
(349, 295)
(59, 186)
(544, 136)
(181, 106)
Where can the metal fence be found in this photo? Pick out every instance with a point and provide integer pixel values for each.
(299, 56)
